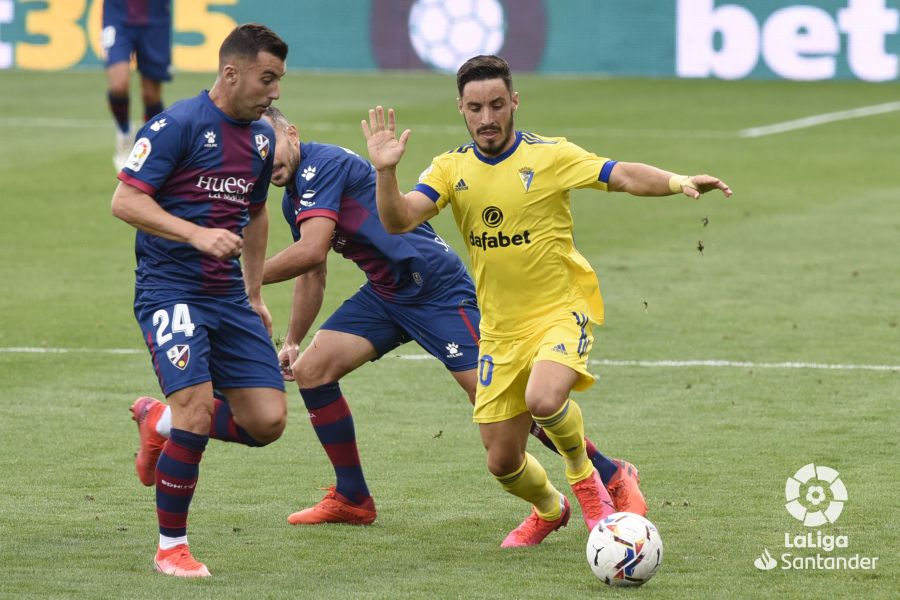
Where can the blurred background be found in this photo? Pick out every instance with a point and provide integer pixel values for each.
(814, 40)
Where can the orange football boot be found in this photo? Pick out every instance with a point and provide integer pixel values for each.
(595, 502)
(146, 411)
(178, 561)
(534, 529)
(335, 508)
(623, 489)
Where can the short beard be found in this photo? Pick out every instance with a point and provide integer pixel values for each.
(495, 150)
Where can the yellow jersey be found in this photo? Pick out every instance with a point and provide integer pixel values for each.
(514, 213)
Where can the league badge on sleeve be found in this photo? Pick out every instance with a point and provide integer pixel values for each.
(179, 355)
(139, 154)
(262, 145)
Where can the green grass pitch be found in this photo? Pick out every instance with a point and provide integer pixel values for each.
(800, 266)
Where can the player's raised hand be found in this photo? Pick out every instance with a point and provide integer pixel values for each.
(221, 243)
(385, 149)
(700, 184)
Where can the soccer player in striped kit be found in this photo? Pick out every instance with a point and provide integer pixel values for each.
(195, 187)
(142, 28)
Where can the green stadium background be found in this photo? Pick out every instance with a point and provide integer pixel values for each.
(764, 39)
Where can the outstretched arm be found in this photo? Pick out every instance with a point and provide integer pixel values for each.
(398, 212)
(307, 253)
(639, 179)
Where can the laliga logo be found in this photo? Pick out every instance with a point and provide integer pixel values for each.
(811, 508)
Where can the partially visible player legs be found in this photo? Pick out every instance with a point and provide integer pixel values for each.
(176, 479)
(192, 410)
(546, 397)
(151, 94)
(117, 79)
(154, 421)
(522, 475)
(620, 477)
(330, 356)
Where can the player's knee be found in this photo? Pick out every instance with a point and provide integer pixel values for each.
(542, 403)
(502, 464)
(118, 88)
(310, 373)
(268, 428)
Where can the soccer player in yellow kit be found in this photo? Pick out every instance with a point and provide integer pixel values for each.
(539, 298)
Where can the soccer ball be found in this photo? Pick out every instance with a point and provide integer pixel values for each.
(446, 33)
(624, 549)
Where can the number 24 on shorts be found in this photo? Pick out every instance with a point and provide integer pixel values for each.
(180, 320)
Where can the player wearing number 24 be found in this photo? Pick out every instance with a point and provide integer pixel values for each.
(195, 187)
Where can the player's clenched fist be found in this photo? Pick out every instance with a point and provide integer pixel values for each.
(220, 243)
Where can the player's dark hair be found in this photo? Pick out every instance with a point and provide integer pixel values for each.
(481, 67)
(277, 117)
(248, 40)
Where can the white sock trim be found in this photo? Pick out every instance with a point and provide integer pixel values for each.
(164, 425)
(167, 543)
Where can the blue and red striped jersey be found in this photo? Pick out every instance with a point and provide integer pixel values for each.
(338, 184)
(205, 167)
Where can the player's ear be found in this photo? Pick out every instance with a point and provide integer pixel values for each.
(459, 105)
(293, 133)
(515, 100)
(229, 73)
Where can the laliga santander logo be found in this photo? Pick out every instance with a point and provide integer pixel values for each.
(818, 483)
(815, 496)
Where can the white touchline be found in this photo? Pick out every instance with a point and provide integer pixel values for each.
(606, 362)
(821, 119)
(39, 350)
(711, 363)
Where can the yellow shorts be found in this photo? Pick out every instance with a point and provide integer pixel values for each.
(504, 365)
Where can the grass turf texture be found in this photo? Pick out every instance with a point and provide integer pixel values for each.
(801, 265)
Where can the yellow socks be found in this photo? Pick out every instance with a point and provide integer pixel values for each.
(565, 428)
(529, 482)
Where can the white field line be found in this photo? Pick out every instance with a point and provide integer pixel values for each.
(821, 119)
(602, 362)
(38, 350)
(740, 364)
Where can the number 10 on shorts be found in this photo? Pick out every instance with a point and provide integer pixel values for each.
(485, 370)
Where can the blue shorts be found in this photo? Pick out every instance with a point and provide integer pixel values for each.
(193, 340)
(152, 44)
(445, 326)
